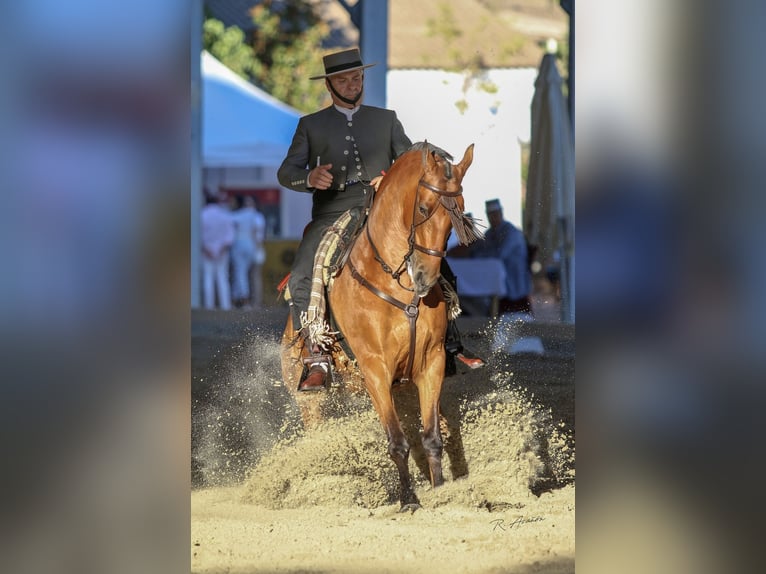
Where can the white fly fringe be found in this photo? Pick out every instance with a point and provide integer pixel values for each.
(451, 299)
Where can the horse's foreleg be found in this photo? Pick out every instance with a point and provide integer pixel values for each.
(398, 447)
(428, 394)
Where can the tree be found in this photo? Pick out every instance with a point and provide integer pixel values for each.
(228, 45)
(286, 39)
(281, 55)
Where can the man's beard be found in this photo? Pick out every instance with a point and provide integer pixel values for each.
(346, 100)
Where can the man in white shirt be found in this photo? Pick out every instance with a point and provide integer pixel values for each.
(217, 237)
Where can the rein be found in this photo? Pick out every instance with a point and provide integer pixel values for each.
(411, 309)
(411, 239)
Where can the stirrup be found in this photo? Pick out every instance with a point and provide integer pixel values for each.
(318, 359)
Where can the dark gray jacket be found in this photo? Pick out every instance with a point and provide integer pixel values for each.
(358, 150)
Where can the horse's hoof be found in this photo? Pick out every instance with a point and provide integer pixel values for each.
(411, 507)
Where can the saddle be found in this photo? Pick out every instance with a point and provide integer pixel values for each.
(332, 254)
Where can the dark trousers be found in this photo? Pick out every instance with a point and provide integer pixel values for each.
(303, 266)
(523, 305)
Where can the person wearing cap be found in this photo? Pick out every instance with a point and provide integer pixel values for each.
(337, 154)
(506, 242)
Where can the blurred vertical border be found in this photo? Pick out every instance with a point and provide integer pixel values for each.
(94, 295)
(670, 144)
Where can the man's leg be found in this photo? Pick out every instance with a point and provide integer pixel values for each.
(453, 344)
(303, 267)
(223, 281)
(208, 282)
(300, 292)
(241, 257)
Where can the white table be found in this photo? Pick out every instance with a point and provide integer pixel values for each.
(479, 277)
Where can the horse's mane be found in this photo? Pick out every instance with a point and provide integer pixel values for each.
(432, 148)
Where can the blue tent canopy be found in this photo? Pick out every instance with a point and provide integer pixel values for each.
(242, 126)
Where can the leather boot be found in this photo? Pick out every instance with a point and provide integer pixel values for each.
(318, 366)
(455, 350)
(316, 379)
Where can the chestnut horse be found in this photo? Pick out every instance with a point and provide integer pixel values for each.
(388, 305)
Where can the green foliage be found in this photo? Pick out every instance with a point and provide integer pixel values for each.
(228, 45)
(286, 43)
(282, 54)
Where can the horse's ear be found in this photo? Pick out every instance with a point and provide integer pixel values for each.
(467, 159)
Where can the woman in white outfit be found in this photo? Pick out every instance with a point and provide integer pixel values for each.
(247, 253)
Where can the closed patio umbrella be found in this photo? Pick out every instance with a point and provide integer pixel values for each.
(549, 205)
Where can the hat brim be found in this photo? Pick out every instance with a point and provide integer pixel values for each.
(342, 71)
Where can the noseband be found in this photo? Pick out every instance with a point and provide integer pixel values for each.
(442, 194)
(413, 226)
(411, 310)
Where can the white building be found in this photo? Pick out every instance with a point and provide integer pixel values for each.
(438, 106)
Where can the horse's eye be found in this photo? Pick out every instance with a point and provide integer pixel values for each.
(423, 210)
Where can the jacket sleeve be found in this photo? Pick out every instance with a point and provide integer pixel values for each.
(400, 143)
(294, 171)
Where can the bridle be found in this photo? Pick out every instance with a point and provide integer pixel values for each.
(410, 310)
(412, 246)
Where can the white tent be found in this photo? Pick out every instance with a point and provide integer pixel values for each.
(245, 136)
(242, 126)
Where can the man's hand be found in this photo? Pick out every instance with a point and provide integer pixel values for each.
(320, 177)
(375, 181)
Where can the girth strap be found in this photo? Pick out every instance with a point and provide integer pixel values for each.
(410, 310)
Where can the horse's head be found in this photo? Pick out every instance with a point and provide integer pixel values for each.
(438, 207)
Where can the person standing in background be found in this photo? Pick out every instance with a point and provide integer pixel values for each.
(247, 253)
(217, 232)
(506, 242)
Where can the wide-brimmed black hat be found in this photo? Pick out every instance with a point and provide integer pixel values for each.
(493, 205)
(340, 62)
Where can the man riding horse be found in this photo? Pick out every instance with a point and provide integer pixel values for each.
(338, 154)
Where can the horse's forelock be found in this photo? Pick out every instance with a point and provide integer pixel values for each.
(466, 228)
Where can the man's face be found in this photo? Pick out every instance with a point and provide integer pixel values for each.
(348, 85)
(495, 218)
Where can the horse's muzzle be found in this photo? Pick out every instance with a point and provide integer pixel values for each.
(422, 279)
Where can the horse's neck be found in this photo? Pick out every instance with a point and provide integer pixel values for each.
(386, 227)
(389, 239)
